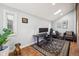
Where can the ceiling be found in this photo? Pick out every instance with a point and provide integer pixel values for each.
(43, 10)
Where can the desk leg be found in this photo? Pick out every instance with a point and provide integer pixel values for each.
(37, 40)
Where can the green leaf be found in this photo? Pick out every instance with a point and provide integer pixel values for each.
(4, 36)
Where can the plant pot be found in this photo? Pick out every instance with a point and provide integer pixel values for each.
(4, 51)
(1, 48)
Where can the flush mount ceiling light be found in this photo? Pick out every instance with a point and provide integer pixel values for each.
(53, 4)
(57, 12)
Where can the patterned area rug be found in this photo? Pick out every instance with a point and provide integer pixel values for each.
(55, 47)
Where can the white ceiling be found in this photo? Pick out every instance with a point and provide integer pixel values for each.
(43, 10)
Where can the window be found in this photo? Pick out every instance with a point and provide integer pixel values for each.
(10, 25)
(10, 21)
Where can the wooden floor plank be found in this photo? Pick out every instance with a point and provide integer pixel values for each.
(74, 50)
(30, 51)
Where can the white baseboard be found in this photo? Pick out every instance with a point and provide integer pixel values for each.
(23, 46)
(27, 45)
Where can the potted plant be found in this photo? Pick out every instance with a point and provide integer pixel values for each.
(3, 38)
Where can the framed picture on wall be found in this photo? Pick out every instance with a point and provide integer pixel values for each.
(24, 20)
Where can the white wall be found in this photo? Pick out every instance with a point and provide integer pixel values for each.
(1, 19)
(71, 17)
(24, 30)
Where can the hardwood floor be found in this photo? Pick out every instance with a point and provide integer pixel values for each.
(74, 50)
(30, 51)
